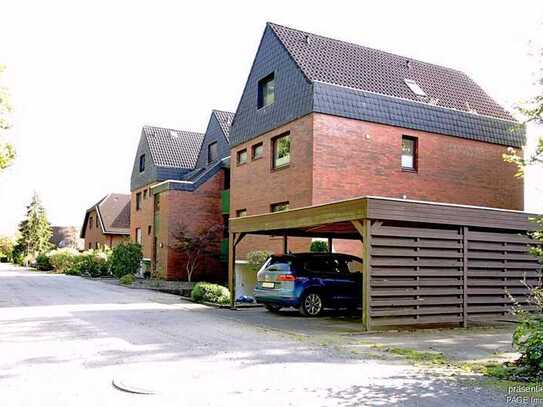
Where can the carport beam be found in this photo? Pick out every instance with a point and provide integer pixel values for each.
(285, 243)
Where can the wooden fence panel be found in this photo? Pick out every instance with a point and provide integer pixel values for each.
(424, 275)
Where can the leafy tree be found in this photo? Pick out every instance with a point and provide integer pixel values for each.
(256, 259)
(7, 152)
(71, 238)
(6, 248)
(318, 246)
(195, 246)
(34, 231)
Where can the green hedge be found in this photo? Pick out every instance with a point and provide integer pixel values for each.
(207, 292)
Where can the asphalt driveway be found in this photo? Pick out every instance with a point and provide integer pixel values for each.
(64, 340)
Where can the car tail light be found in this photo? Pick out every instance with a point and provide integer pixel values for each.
(286, 277)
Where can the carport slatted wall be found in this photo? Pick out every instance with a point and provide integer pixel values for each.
(424, 262)
(428, 275)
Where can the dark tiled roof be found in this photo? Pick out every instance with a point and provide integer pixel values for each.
(225, 120)
(341, 63)
(114, 213)
(173, 148)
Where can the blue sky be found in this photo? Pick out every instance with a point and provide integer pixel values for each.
(86, 75)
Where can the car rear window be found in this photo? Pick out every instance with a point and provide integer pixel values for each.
(280, 264)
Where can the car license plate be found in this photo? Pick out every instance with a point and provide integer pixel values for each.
(268, 285)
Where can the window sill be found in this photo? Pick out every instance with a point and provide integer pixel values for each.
(256, 159)
(412, 170)
(283, 167)
(241, 164)
(258, 109)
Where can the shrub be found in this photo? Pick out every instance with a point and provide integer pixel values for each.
(318, 246)
(126, 259)
(63, 260)
(43, 263)
(256, 259)
(73, 271)
(95, 263)
(528, 340)
(127, 279)
(208, 292)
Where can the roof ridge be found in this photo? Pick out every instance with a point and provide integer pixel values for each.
(222, 111)
(272, 25)
(146, 126)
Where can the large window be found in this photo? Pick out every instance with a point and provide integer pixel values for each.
(138, 201)
(212, 152)
(279, 207)
(266, 91)
(281, 151)
(142, 162)
(138, 235)
(409, 153)
(242, 156)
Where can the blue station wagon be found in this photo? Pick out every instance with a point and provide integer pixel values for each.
(310, 282)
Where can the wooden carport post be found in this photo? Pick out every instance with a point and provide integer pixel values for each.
(364, 229)
(233, 240)
(465, 244)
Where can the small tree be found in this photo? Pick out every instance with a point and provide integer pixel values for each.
(256, 259)
(71, 238)
(318, 246)
(34, 231)
(6, 248)
(195, 246)
(7, 152)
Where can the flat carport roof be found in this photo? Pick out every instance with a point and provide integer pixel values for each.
(359, 218)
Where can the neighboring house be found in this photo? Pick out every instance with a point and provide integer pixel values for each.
(179, 179)
(107, 223)
(322, 120)
(67, 236)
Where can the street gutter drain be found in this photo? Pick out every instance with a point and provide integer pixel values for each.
(120, 385)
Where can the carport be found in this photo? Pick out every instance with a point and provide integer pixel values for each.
(425, 263)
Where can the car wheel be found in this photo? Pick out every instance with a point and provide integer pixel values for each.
(272, 308)
(312, 304)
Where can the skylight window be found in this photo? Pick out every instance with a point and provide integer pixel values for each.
(415, 88)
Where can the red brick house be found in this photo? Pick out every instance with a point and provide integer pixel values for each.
(179, 180)
(107, 223)
(321, 120)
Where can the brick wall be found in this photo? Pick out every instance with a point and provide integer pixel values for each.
(199, 209)
(352, 158)
(255, 186)
(142, 218)
(335, 158)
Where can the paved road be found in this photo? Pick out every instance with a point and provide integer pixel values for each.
(64, 340)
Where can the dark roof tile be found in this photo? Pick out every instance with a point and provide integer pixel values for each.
(114, 213)
(173, 148)
(225, 120)
(341, 63)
